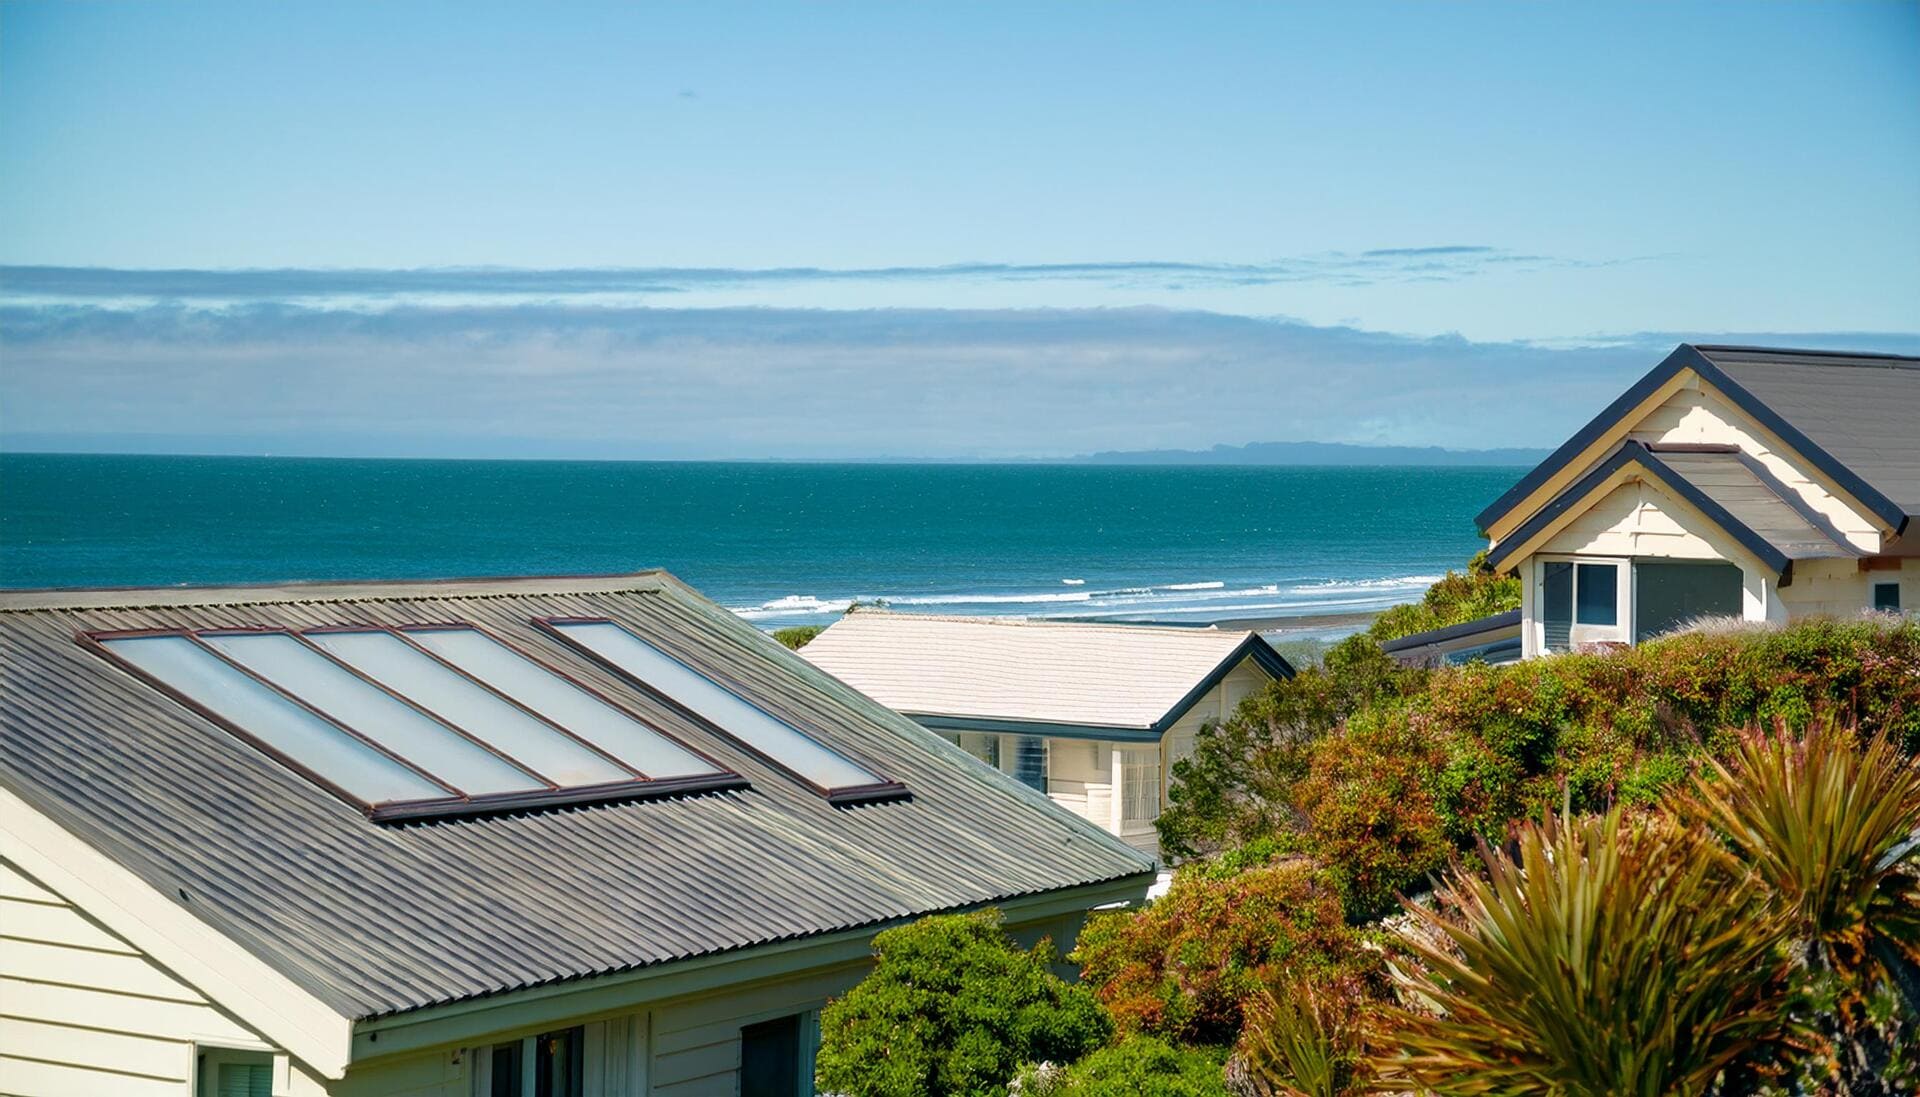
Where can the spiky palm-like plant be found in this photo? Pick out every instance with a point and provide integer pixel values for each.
(1827, 824)
(1307, 1037)
(1602, 956)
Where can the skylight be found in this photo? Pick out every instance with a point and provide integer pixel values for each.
(829, 773)
(409, 723)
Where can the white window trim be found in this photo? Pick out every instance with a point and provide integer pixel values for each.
(208, 1058)
(1621, 631)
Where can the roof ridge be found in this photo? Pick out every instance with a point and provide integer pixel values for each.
(1878, 358)
(320, 591)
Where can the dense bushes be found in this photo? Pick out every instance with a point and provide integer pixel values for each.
(1183, 967)
(952, 1007)
(798, 636)
(1382, 774)
(1139, 1066)
(1459, 597)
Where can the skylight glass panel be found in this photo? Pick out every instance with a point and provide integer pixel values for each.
(306, 740)
(307, 673)
(457, 699)
(561, 701)
(730, 713)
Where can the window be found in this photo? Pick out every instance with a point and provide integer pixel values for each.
(837, 777)
(1030, 761)
(1140, 778)
(1886, 596)
(1668, 594)
(223, 1072)
(549, 1065)
(1580, 602)
(770, 1059)
(985, 747)
(383, 719)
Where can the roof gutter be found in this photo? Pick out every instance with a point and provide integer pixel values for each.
(542, 1007)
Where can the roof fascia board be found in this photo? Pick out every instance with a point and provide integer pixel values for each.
(1253, 648)
(1611, 474)
(256, 994)
(543, 1007)
(1504, 513)
(1839, 476)
(995, 724)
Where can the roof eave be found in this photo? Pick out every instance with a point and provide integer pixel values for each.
(1633, 453)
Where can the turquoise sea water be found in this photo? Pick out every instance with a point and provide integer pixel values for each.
(780, 543)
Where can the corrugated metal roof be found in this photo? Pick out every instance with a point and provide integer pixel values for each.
(1731, 481)
(1864, 409)
(1058, 672)
(375, 919)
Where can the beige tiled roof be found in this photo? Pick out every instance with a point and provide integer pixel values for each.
(1124, 676)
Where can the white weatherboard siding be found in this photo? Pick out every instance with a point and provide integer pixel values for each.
(83, 1012)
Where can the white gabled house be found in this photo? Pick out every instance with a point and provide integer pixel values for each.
(543, 837)
(1749, 482)
(1093, 715)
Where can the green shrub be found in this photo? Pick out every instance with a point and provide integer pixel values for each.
(1459, 597)
(1233, 787)
(798, 636)
(952, 1007)
(1184, 966)
(1383, 776)
(1138, 1066)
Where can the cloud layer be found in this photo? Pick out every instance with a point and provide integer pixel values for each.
(549, 363)
(384, 288)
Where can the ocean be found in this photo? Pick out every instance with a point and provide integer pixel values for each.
(780, 544)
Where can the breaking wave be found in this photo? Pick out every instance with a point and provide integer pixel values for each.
(1200, 600)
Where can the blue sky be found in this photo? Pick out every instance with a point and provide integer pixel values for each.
(1412, 194)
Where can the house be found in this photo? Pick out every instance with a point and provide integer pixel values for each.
(1744, 481)
(1093, 715)
(566, 837)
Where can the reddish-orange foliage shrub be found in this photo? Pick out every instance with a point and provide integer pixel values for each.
(1371, 814)
(1185, 966)
(1385, 793)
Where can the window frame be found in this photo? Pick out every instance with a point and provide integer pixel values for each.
(526, 1058)
(1873, 596)
(885, 788)
(1620, 632)
(208, 1058)
(458, 803)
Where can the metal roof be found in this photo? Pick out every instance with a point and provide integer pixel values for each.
(375, 918)
(1864, 409)
(1773, 511)
(1067, 673)
(1852, 415)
